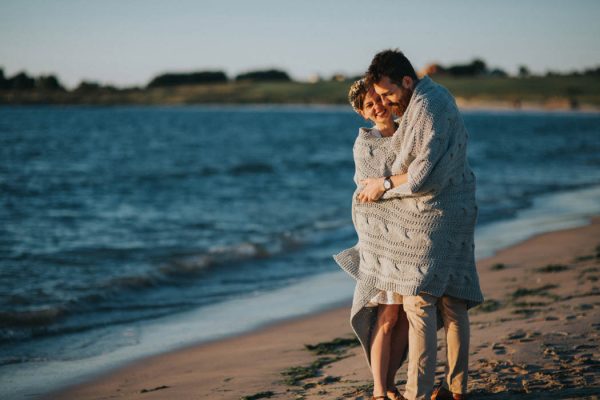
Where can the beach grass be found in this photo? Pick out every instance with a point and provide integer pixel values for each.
(552, 268)
(498, 267)
(259, 395)
(335, 346)
(539, 291)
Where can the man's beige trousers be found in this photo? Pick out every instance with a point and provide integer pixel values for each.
(421, 311)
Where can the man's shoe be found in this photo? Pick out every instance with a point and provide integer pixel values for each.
(441, 393)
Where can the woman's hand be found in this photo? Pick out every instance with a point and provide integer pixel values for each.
(372, 191)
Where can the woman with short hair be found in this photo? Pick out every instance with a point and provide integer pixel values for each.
(385, 336)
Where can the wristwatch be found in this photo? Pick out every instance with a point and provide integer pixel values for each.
(387, 183)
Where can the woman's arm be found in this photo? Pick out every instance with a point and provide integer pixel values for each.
(374, 189)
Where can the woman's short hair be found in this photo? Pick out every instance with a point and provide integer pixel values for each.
(357, 93)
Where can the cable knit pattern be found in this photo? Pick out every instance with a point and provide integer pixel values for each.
(419, 236)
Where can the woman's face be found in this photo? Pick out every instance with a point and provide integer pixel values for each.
(374, 109)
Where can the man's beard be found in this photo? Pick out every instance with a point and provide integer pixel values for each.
(400, 107)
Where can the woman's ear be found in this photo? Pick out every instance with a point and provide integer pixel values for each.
(363, 115)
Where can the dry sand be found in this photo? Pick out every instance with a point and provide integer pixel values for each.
(535, 337)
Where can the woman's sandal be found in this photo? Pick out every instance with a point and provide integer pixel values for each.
(383, 396)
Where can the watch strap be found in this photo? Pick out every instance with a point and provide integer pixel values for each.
(387, 183)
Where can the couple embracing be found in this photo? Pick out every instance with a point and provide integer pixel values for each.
(414, 211)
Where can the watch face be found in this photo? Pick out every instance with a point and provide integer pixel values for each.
(387, 184)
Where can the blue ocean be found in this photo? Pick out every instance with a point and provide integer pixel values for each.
(126, 231)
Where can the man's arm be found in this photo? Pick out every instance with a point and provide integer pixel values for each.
(430, 134)
(374, 188)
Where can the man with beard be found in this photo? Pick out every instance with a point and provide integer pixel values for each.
(437, 250)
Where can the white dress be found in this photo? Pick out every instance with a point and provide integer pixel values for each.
(384, 296)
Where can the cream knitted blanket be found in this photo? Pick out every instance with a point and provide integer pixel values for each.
(419, 236)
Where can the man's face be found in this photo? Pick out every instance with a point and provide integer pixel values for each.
(390, 92)
(393, 95)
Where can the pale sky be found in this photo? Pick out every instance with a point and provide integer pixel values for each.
(128, 42)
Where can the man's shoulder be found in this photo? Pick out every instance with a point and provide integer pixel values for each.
(435, 99)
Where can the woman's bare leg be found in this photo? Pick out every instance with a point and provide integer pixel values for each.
(399, 345)
(387, 316)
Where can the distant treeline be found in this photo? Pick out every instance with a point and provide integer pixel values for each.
(22, 81)
(204, 77)
(478, 67)
(50, 83)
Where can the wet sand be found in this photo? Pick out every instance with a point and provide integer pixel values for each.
(535, 337)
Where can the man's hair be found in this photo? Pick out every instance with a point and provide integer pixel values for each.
(390, 63)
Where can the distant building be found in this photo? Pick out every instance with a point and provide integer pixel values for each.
(432, 69)
(314, 78)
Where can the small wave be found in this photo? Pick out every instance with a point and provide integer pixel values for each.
(13, 360)
(31, 318)
(20, 322)
(153, 176)
(176, 268)
(19, 300)
(208, 171)
(22, 334)
(132, 282)
(225, 255)
(326, 164)
(17, 326)
(214, 256)
(251, 168)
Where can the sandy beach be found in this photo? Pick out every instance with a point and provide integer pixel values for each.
(535, 337)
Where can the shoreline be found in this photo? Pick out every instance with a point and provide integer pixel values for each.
(550, 92)
(463, 104)
(234, 367)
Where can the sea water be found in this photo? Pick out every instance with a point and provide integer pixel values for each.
(128, 231)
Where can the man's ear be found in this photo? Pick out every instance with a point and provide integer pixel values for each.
(407, 82)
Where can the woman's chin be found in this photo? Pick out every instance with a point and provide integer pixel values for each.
(387, 119)
(385, 116)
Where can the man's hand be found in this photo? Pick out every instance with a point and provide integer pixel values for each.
(372, 191)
